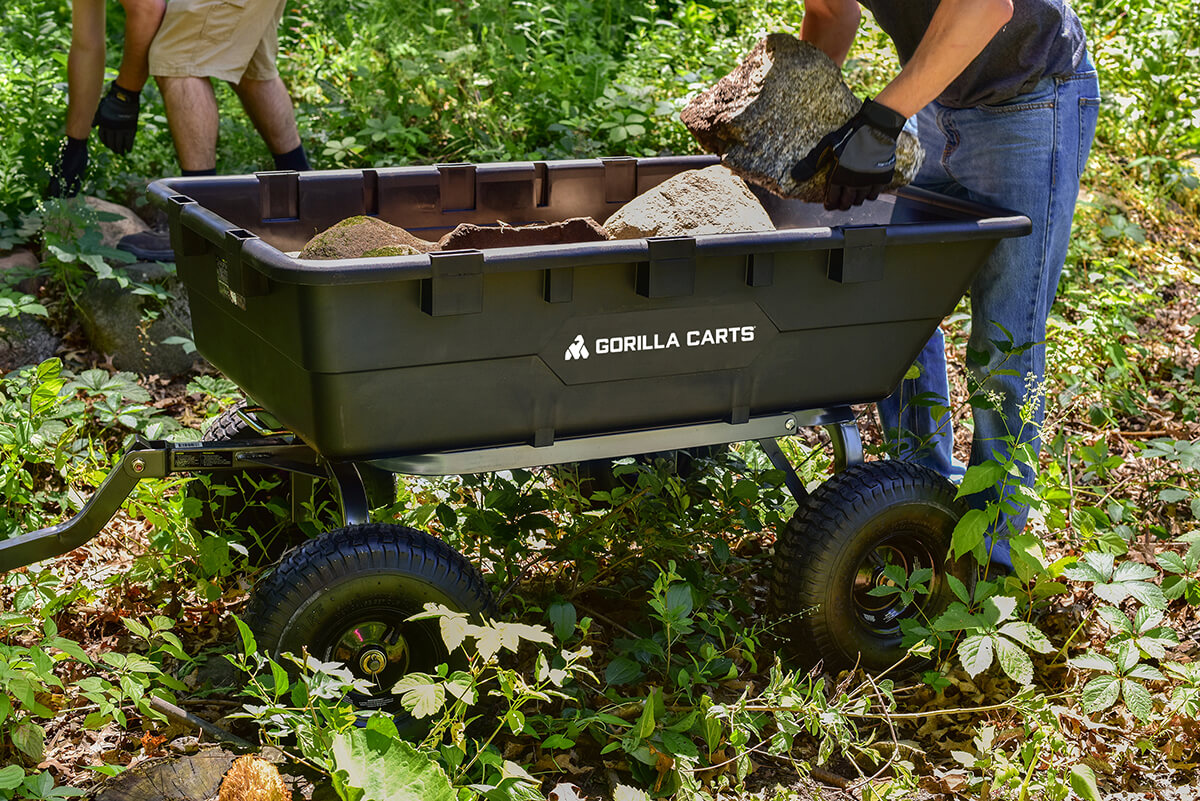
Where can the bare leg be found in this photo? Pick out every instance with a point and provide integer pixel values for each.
(142, 18)
(269, 107)
(85, 66)
(192, 118)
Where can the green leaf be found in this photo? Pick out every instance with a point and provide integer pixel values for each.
(1093, 661)
(1171, 562)
(370, 766)
(563, 619)
(453, 627)
(1100, 693)
(1014, 661)
(1028, 635)
(1116, 619)
(678, 744)
(976, 654)
(420, 695)
(1133, 571)
(249, 646)
(958, 588)
(969, 532)
(1137, 699)
(622, 670)
(11, 777)
(997, 608)
(1146, 673)
(981, 477)
(1083, 782)
(957, 618)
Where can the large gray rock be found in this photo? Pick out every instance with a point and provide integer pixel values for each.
(692, 203)
(117, 322)
(25, 340)
(773, 108)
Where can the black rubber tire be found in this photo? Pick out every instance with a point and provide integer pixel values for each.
(836, 543)
(347, 579)
(263, 513)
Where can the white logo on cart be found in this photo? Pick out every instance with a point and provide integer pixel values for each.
(577, 350)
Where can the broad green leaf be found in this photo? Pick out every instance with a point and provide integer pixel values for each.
(1146, 673)
(957, 618)
(11, 777)
(645, 725)
(1028, 635)
(1083, 782)
(1172, 562)
(1149, 594)
(563, 619)
(624, 792)
(420, 694)
(1014, 661)
(958, 588)
(678, 744)
(370, 766)
(997, 608)
(1137, 699)
(969, 532)
(1100, 693)
(462, 686)
(1133, 571)
(1116, 619)
(1147, 618)
(622, 670)
(454, 628)
(976, 654)
(981, 477)
(1127, 656)
(1093, 661)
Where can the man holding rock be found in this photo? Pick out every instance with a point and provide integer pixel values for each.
(1005, 100)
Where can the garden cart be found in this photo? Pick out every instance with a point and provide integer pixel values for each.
(471, 361)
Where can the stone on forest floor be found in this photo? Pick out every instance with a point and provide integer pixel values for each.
(469, 235)
(773, 108)
(358, 237)
(692, 203)
(25, 340)
(112, 231)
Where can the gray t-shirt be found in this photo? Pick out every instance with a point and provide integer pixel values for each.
(1043, 39)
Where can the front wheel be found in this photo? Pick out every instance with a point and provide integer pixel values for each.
(833, 552)
(346, 597)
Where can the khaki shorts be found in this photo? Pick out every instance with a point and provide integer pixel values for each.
(225, 39)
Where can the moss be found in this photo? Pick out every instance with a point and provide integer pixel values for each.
(392, 250)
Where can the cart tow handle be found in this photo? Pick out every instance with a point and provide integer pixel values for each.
(155, 459)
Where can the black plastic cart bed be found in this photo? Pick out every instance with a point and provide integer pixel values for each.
(469, 361)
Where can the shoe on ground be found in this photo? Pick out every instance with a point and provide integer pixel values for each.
(148, 246)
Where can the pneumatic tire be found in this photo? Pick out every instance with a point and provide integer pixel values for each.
(831, 553)
(346, 596)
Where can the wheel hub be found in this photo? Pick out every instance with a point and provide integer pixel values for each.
(374, 650)
(372, 661)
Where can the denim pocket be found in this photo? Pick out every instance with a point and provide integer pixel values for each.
(1041, 95)
(1089, 113)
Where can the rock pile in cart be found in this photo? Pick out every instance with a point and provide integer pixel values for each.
(773, 108)
(692, 203)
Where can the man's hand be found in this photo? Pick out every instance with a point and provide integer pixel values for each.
(66, 177)
(117, 118)
(862, 154)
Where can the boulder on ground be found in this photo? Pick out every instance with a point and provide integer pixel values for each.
(25, 340)
(358, 237)
(115, 321)
(112, 231)
(774, 108)
(692, 203)
(471, 236)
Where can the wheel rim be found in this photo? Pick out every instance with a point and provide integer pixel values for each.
(882, 614)
(380, 649)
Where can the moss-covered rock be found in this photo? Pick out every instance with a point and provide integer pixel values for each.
(357, 237)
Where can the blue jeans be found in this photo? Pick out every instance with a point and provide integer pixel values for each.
(1027, 155)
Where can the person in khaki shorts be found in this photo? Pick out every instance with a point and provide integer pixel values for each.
(234, 41)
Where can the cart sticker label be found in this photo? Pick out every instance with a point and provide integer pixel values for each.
(661, 342)
(200, 460)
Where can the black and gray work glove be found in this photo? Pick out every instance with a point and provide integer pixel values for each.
(863, 154)
(117, 118)
(66, 177)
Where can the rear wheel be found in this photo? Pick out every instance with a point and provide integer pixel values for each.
(833, 552)
(347, 596)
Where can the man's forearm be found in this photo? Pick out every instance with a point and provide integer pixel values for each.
(831, 26)
(958, 32)
(142, 18)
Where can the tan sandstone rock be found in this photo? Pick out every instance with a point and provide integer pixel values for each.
(773, 108)
(113, 230)
(692, 203)
(469, 235)
(358, 237)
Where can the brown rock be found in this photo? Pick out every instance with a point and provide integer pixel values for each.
(471, 236)
(773, 108)
(113, 230)
(692, 203)
(357, 237)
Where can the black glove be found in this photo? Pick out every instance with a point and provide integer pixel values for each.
(117, 118)
(67, 176)
(863, 153)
